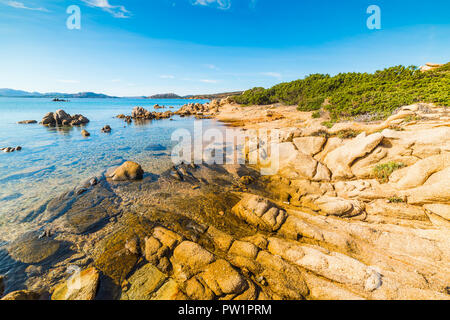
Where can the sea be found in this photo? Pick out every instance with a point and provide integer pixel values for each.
(54, 160)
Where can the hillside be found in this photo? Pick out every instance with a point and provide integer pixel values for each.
(214, 96)
(165, 96)
(24, 94)
(347, 95)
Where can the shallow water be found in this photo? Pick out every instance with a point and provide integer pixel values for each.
(54, 160)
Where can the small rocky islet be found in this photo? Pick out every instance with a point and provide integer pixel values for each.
(342, 219)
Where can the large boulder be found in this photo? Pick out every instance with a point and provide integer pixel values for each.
(82, 286)
(129, 170)
(340, 160)
(144, 283)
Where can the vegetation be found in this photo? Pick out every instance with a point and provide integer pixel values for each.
(349, 94)
(383, 171)
(315, 115)
(347, 134)
(396, 200)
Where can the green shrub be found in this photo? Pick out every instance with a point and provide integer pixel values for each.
(315, 115)
(383, 171)
(396, 200)
(347, 134)
(328, 124)
(349, 94)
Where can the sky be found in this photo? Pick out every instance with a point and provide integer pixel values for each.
(135, 47)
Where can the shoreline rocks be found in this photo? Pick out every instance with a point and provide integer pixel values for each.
(60, 118)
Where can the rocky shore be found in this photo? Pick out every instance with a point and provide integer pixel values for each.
(356, 211)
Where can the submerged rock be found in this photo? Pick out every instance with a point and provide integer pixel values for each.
(22, 295)
(2, 285)
(82, 286)
(32, 249)
(84, 133)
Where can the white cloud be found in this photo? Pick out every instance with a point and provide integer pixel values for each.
(220, 4)
(21, 5)
(118, 11)
(271, 74)
(167, 76)
(211, 66)
(208, 81)
(68, 81)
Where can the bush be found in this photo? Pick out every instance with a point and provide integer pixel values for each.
(349, 94)
(315, 115)
(347, 134)
(383, 171)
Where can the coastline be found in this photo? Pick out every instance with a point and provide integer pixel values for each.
(322, 228)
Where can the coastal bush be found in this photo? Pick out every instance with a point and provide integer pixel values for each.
(315, 115)
(383, 171)
(347, 95)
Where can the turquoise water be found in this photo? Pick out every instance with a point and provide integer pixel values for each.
(54, 160)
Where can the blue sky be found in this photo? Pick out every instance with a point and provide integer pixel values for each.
(135, 47)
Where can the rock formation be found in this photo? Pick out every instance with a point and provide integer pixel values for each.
(60, 118)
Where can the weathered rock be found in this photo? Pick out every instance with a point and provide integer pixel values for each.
(442, 210)
(197, 290)
(82, 286)
(310, 145)
(220, 239)
(333, 265)
(417, 174)
(2, 285)
(144, 283)
(84, 133)
(222, 279)
(339, 207)
(190, 258)
(340, 159)
(282, 278)
(260, 212)
(435, 190)
(22, 295)
(31, 249)
(169, 291)
(244, 249)
(127, 171)
(167, 237)
(381, 207)
(61, 118)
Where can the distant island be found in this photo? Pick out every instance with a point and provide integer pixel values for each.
(11, 93)
(165, 96)
(214, 96)
(199, 96)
